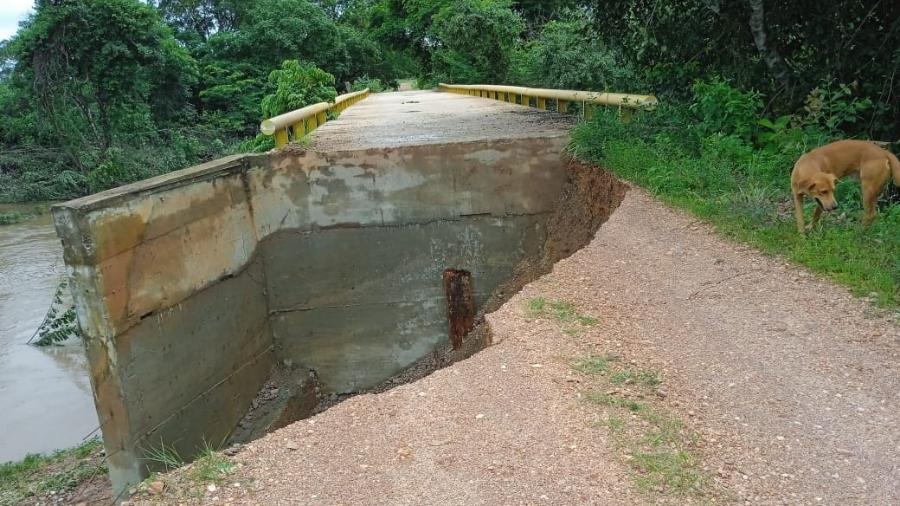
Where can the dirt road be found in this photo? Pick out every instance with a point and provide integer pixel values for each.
(777, 387)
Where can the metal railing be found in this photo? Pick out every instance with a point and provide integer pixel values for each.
(295, 124)
(626, 103)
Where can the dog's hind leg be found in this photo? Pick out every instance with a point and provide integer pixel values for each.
(798, 212)
(872, 177)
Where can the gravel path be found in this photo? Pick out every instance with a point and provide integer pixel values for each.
(790, 382)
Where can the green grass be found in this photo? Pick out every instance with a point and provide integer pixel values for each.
(644, 377)
(59, 472)
(164, 456)
(614, 401)
(658, 443)
(745, 193)
(211, 466)
(595, 364)
(660, 449)
(561, 311)
(673, 470)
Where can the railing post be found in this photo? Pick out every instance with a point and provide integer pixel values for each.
(321, 118)
(299, 130)
(562, 106)
(281, 137)
(526, 100)
(589, 111)
(542, 103)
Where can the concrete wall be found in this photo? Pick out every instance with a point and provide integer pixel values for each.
(191, 286)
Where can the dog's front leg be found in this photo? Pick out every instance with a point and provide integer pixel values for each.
(798, 211)
(816, 215)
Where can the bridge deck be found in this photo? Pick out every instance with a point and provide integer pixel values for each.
(425, 117)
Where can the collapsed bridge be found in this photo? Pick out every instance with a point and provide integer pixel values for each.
(318, 271)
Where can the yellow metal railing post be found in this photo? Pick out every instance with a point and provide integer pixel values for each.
(281, 137)
(526, 100)
(321, 118)
(589, 111)
(299, 130)
(562, 106)
(542, 103)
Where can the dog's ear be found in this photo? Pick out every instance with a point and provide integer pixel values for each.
(810, 186)
(833, 179)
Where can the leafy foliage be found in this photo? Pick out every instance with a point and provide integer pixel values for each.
(474, 40)
(60, 323)
(568, 55)
(297, 85)
(374, 85)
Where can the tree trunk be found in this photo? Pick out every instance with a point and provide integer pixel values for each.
(770, 55)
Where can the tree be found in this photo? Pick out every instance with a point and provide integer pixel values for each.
(473, 40)
(568, 54)
(100, 70)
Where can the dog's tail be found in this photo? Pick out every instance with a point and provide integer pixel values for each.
(895, 167)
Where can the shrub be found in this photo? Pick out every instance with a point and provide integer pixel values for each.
(361, 83)
(297, 85)
(721, 108)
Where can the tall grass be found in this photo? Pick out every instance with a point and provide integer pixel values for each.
(744, 190)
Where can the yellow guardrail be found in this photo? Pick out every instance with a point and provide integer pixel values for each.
(295, 124)
(524, 96)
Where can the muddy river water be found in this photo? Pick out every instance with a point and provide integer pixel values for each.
(45, 393)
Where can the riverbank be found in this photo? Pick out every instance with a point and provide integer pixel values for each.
(75, 476)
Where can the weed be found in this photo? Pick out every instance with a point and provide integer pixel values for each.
(59, 472)
(613, 401)
(165, 456)
(211, 466)
(561, 311)
(595, 364)
(659, 443)
(675, 470)
(615, 424)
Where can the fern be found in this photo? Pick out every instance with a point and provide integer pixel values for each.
(60, 323)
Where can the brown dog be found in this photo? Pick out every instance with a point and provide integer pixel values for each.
(816, 172)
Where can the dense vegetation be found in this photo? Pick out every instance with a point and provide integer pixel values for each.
(96, 93)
